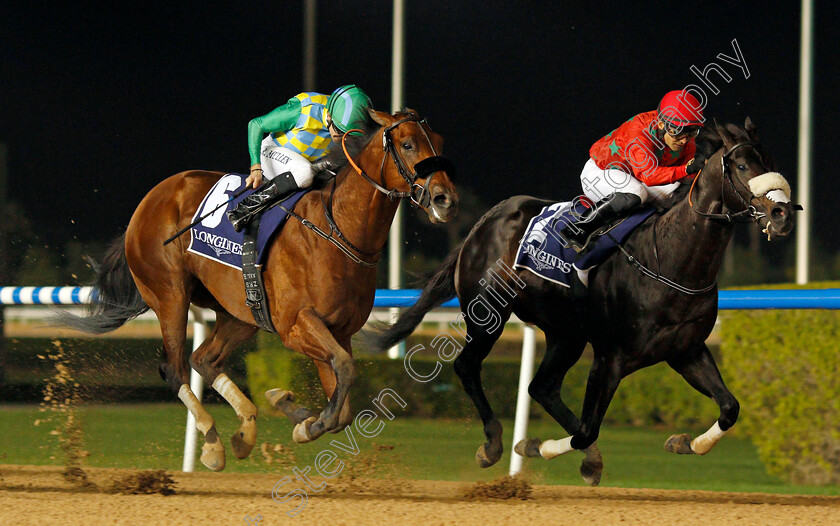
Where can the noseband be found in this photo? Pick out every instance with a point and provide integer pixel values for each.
(419, 194)
(749, 214)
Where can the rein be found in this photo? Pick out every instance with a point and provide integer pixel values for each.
(749, 214)
(656, 275)
(419, 195)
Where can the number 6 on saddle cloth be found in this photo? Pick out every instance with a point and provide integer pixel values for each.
(213, 237)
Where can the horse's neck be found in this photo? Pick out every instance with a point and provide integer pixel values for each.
(690, 244)
(362, 213)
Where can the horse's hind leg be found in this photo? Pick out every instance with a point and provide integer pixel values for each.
(468, 368)
(562, 352)
(560, 355)
(171, 306)
(699, 370)
(208, 359)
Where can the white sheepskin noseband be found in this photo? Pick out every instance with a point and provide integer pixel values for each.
(771, 184)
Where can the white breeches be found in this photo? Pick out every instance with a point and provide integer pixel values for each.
(276, 160)
(599, 184)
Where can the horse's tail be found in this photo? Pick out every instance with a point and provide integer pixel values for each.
(118, 298)
(439, 288)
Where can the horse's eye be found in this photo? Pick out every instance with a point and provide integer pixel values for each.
(406, 146)
(742, 167)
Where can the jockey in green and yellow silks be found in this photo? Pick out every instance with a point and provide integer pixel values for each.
(299, 125)
(299, 132)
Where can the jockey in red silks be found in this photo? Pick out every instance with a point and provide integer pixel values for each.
(641, 161)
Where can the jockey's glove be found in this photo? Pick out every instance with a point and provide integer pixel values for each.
(696, 164)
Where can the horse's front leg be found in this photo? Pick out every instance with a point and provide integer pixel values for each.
(562, 352)
(328, 382)
(337, 371)
(604, 377)
(700, 371)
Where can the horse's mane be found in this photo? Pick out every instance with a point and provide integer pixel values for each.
(708, 142)
(335, 160)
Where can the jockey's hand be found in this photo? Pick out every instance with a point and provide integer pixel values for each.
(254, 180)
(695, 165)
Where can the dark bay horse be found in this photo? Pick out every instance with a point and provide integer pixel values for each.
(632, 319)
(320, 294)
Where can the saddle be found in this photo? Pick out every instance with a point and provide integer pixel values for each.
(215, 239)
(543, 252)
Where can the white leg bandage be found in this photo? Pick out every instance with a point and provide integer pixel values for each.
(240, 403)
(553, 448)
(705, 442)
(203, 420)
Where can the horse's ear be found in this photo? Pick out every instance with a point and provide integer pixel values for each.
(379, 117)
(728, 139)
(751, 129)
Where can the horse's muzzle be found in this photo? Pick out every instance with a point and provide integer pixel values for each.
(779, 221)
(438, 199)
(443, 205)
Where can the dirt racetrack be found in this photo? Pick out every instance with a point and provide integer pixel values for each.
(41, 495)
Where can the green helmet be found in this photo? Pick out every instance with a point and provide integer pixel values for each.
(348, 107)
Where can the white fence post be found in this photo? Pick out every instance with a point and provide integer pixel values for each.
(523, 399)
(197, 387)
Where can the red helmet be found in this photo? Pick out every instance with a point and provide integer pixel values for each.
(680, 109)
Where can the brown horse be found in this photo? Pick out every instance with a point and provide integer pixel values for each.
(320, 293)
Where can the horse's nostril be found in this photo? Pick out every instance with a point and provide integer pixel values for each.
(778, 213)
(441, 201)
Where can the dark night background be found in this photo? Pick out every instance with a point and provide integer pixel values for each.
(98, 105)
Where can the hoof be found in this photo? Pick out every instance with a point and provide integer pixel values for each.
(275, 396)
(301, 433)
(244, 439)
(591, 472)
(592, 466)
(529, 447)
(680, 444)
(487, 456)
(213, 456)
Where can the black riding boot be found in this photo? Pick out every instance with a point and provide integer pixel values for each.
(605, 211)
(265, 196)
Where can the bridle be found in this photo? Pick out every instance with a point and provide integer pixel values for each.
(748, 214)
(419, 195)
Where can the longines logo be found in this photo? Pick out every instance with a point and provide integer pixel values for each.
(219, 244)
